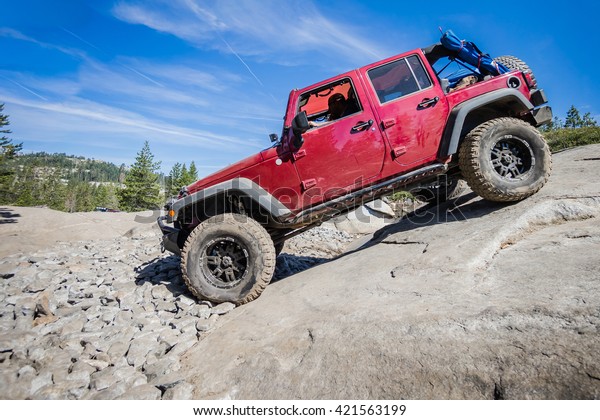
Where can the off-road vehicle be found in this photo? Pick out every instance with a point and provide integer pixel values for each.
(396, 124)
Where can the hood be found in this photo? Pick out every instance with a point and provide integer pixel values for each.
(225, 173)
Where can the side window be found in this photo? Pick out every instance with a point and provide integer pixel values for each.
(330, 102)
(419, 72)
(399, 78)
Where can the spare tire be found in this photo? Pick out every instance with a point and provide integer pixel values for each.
(514, 63)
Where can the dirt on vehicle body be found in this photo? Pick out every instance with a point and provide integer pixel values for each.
(403, 123)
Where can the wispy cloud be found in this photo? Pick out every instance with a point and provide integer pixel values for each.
(210, 78)
(107, 54)
(74, 35)
(24, 88)
(95, 118)
(207, 107)
(248, 28)
(12, 33)
(189, 107)
(185, 93)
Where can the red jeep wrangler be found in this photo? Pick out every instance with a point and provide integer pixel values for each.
(392, 125)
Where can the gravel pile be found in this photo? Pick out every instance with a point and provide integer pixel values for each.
(110, 319)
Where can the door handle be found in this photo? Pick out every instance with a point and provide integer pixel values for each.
(362, 126)
(428, 103)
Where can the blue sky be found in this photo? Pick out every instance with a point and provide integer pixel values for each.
(208, 80)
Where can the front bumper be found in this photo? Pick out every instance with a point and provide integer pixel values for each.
(170, 236)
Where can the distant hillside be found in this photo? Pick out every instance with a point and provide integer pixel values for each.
(68, 168)
(62, 182)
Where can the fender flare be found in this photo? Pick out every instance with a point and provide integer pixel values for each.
(243, 185)
(458, 115)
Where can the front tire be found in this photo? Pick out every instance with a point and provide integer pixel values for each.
(228, 258)
(505, 159)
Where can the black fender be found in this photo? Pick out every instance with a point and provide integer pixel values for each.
(241, 186)
(456, 120)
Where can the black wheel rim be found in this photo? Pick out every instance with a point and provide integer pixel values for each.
(225, 262)
(512, 158)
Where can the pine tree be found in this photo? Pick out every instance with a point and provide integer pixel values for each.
(122, 173)
(187, 177)
(588, 120)
(112, 202)
(85, 196)
(8, 150)
(71, 197)
(105, 197)
(174, 181)
(101, 196)
(555, 124)
(184, 175)
(55, 192)
(142, 191)
(26, 193)
(193, 172)
(573, 118)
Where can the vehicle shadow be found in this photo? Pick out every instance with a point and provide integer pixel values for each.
(163, 270)
(289, 264)
(465, 207)
(8, 216)
(166, 269)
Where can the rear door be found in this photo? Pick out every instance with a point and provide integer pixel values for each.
(339, 154)
(411, 106)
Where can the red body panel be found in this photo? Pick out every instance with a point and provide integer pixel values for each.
(412, 134)
(400, 135)
(498, 82)
(272, 169)
(226, 173)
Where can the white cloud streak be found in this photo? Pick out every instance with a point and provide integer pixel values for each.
(188, 107)
(12, 33)
(113, 101)
(265, 29)
(24, 88)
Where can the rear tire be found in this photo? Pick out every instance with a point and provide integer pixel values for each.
(505, 159)
(228, 258)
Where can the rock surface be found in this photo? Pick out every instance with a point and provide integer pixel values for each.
(368, 218)
(106, 315)
(469, 300)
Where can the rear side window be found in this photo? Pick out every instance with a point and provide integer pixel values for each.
(399, 78)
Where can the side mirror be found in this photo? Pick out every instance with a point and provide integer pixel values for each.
(274, 137)
(300, 126)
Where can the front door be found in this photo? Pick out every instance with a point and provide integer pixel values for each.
(344, 150)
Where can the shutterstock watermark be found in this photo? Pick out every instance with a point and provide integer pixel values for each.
(283, 203)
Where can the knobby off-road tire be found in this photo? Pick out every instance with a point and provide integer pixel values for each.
(514, 63)
(505, 159)
(228, 258)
